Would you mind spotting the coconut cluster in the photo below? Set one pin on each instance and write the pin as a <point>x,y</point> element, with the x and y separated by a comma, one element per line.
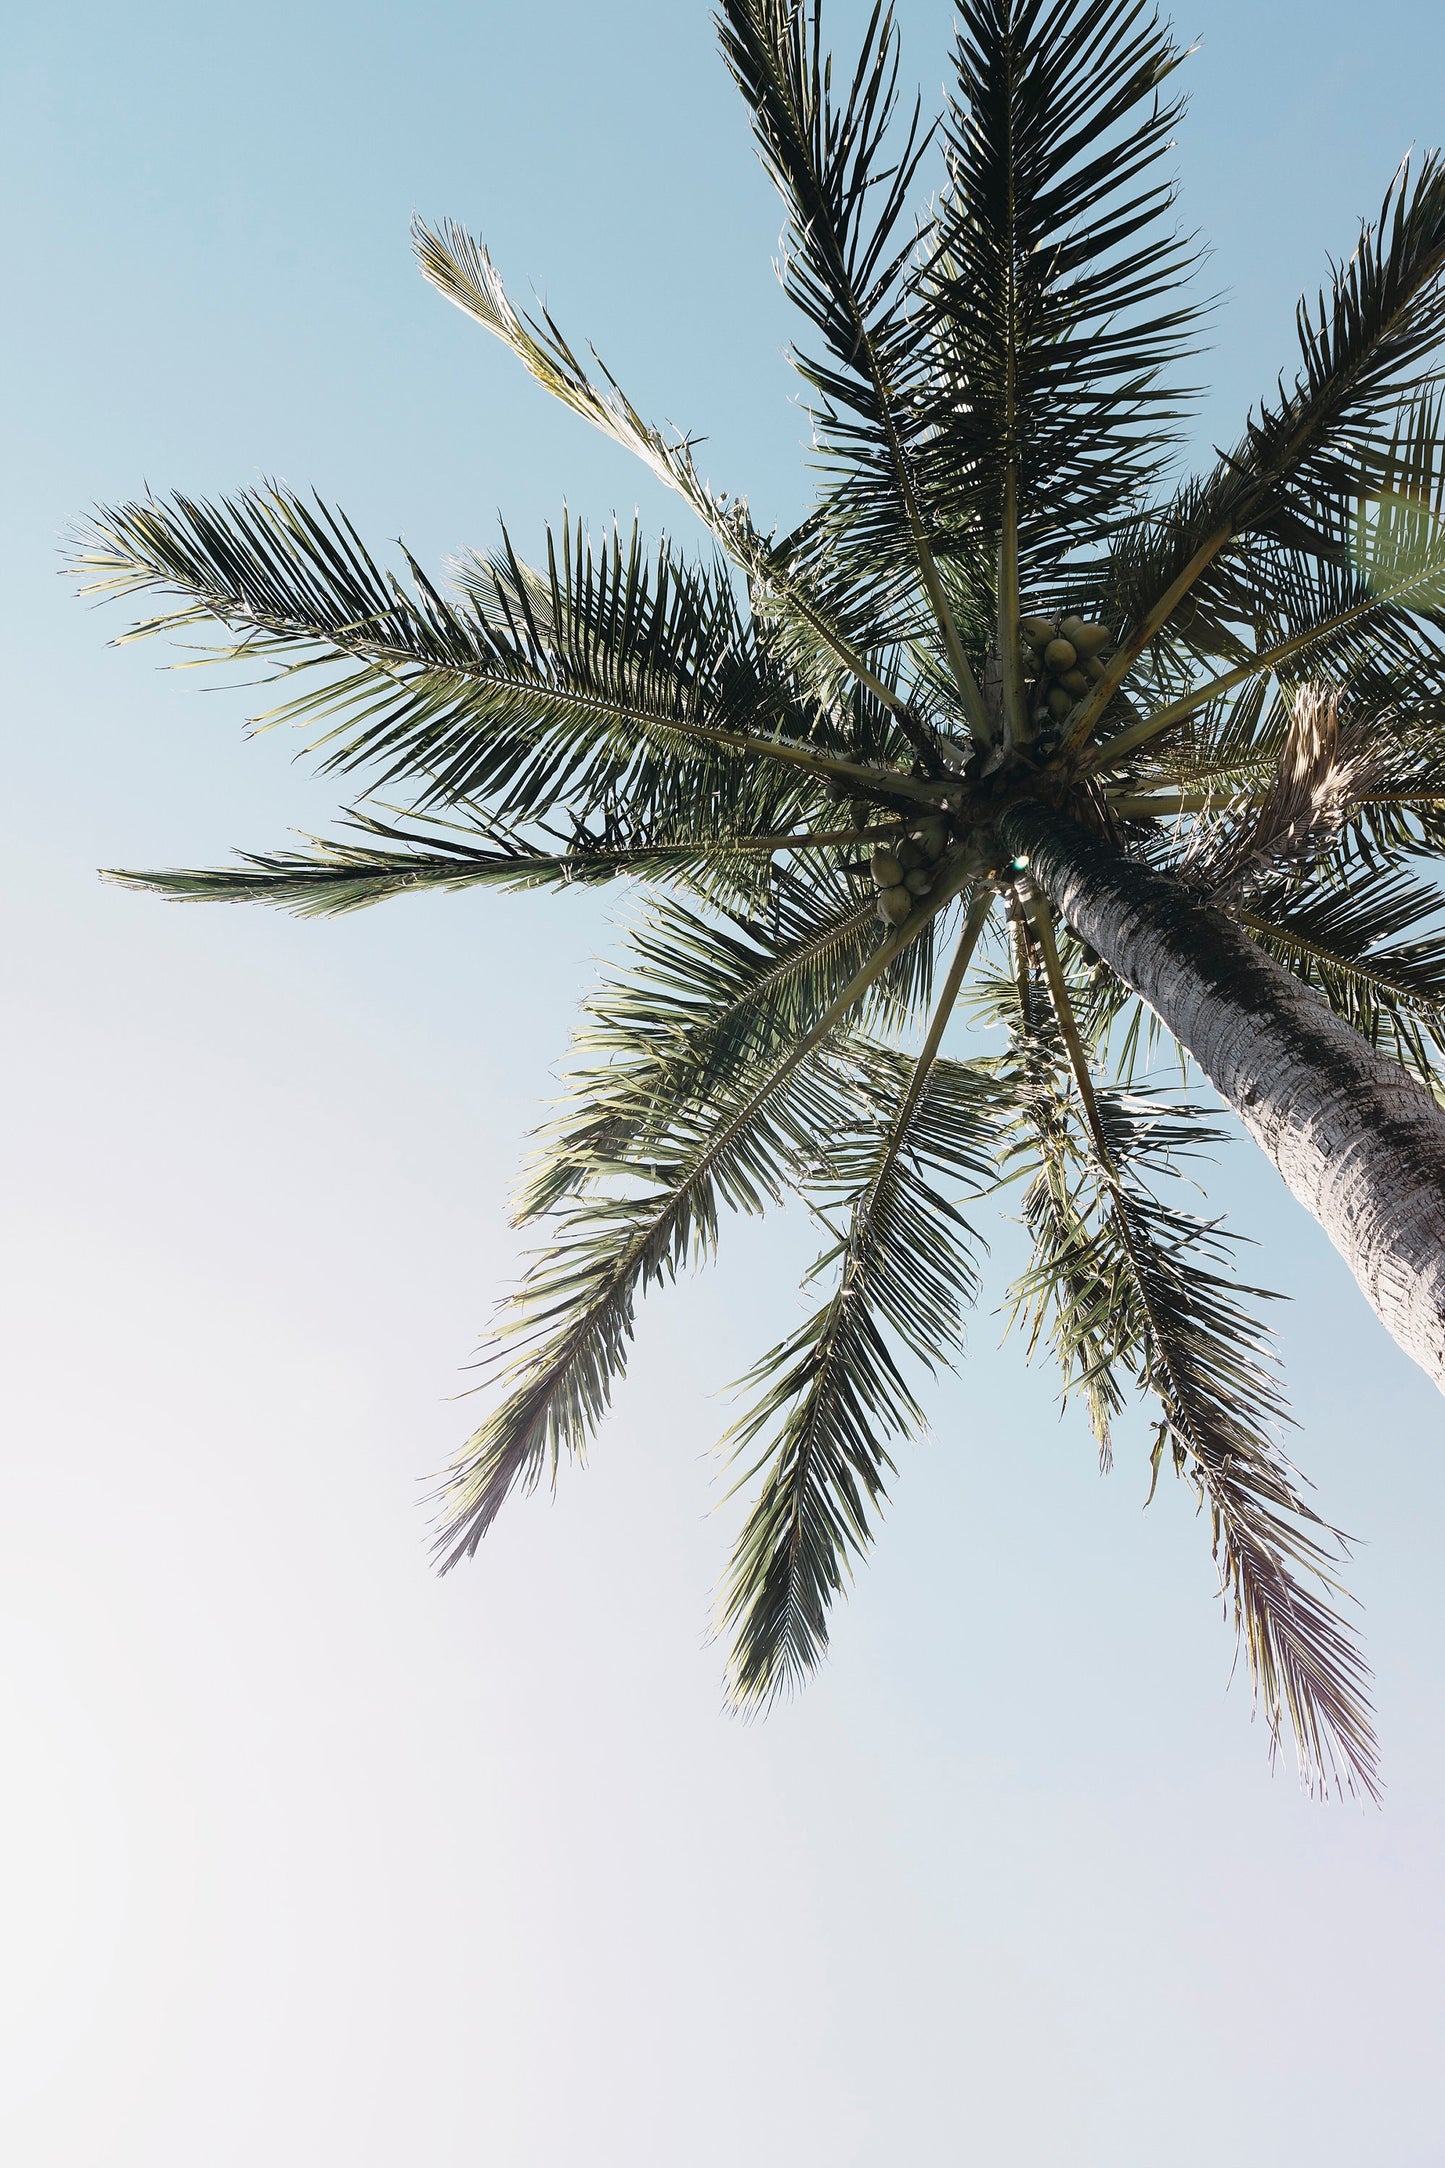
<point>904,872</point>
<point>1062,658</point>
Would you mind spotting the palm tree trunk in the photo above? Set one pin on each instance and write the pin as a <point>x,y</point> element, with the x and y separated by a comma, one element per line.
<point>1360,1143</point>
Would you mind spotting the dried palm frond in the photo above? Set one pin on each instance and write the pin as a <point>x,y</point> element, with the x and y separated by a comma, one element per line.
<point>1323,772</point>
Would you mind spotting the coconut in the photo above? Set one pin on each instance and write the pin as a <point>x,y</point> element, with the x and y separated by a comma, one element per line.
<point>932,836</point>
<point>894,905</point>
<point>860,813</point>
<point>1076,681</point>
<point>1038,631</point>
<point>887,872</point>
<point>1060,655</point>
<point>1060,703</point>
<point>908,854</point>
<point>1096,667</point>
<point>1088,639</point>
<point>919,881</point>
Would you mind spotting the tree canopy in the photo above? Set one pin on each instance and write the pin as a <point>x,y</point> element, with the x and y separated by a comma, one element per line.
<point>1003,593</point>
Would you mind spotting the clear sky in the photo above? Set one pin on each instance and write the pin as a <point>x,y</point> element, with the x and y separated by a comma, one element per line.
<point>308,1858</point>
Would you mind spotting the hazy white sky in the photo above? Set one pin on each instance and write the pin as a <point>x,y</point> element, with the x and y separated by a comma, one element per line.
<point>306,1857</point>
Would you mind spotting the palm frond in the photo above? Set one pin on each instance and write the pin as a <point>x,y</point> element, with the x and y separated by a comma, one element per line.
<point>809,616</point>
<point>1208,1363</point>
<point>1137,1290</point>
<point>609,676</point>
<point>338,875</point>
<point>831,1399</point>
<point>1230,744</point>
<point>573,1319</point>
<point>1367,348</point>
<point>702,1001</point>
<point>1054,283</point>
<point>1320,773</point>
<point>740,1148</point>
<point>847,189</point>
<point>461,269</point>
<point>574,1316</point>
<point>1063,1296</point>
<point>1372,943</point>
<point>1370,618</point>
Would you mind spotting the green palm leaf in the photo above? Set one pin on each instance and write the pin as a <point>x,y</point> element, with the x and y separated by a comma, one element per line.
<point>1055,278</point>
<point>740,1149</point>
<point>1341,933</point>
<point>607,676</point>
<point>847,188</point>
<point>816,623</point>
<point>832,1397</point>
<point>1128,1284</point>
<point>706,1000</point>
<point>337,875</point>
<point>1365,351</point>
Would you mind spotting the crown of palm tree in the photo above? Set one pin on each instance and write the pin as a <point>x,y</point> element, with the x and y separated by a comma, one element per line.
<point>1005,664</point>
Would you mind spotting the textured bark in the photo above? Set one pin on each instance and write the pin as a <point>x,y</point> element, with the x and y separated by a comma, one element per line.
<point>1360,1143</point>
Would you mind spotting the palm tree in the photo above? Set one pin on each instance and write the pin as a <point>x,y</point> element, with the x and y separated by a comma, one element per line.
<point>1117,760</point>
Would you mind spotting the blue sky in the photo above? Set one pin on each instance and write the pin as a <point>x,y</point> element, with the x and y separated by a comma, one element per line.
<point>308,1857</point>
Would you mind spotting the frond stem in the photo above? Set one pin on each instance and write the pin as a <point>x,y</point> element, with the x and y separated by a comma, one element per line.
<point>893,945</point>
<point>1355,967</point>
<point>1147,807</point>
<point>753,554</point>
<point>1094,703</point>
<point>1008,600</point>
<point>1041,918</point>
<point>393,660</point>
<point>978,910</point>
<point>867,361</point>
<point>1270,658</point>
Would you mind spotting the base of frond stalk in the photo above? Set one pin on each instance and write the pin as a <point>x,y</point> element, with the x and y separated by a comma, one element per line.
<point>1360,1143</point>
